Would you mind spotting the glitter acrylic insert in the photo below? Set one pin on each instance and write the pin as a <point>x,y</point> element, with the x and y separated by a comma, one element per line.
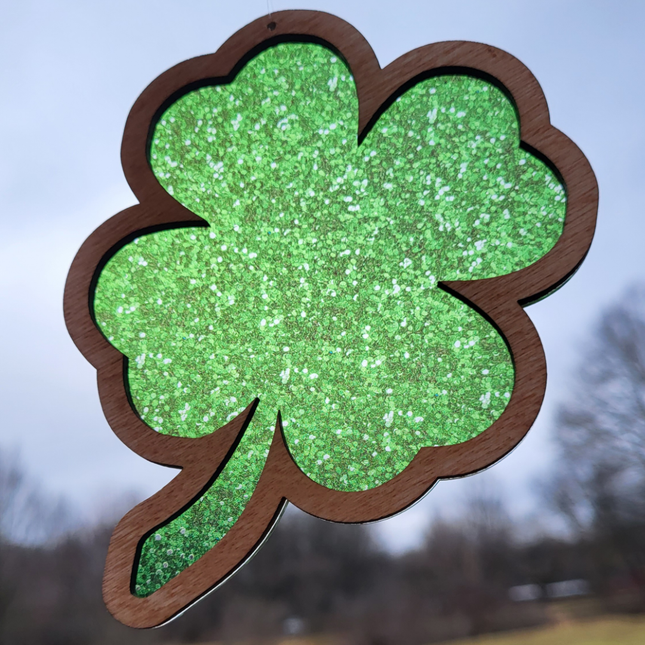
<point>314,287</point>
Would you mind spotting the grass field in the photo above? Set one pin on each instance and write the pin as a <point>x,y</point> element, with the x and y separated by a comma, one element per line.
<point>602,631</point>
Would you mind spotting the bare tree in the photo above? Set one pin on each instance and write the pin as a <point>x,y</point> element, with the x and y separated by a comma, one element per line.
<point>27,515</point>
<point>600,433</point>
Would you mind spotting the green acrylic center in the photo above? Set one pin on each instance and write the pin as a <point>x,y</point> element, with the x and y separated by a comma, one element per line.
<point>314,287</point>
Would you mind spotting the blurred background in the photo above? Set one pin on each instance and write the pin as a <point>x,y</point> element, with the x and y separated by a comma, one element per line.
<point>546,547</point>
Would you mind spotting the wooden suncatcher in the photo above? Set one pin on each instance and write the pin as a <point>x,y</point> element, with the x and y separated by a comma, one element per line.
<point>499,299</point>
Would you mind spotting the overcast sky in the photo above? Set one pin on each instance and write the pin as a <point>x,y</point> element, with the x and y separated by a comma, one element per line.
<point>69,73</point>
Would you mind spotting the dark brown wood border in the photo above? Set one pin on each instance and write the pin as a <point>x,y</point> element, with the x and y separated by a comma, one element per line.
<point>499,299</point>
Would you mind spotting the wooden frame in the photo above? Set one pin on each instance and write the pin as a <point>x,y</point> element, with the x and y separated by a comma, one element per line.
<point>498,299</point>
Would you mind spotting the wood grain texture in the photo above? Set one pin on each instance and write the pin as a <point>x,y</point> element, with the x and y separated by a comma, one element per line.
<point>498,299</point>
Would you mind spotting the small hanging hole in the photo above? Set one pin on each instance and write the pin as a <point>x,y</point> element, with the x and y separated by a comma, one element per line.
<point>271,26</point>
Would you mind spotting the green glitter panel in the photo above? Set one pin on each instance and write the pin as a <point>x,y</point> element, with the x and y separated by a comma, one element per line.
<point>315,286</point>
